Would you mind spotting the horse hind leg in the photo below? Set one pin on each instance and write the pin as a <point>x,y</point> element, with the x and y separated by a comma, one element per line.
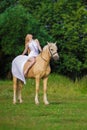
<point>37,91</point>
<point>19,89</point>
<point>14,89</point>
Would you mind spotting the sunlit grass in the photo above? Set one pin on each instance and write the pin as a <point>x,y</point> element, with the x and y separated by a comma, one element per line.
<point>67,109</point>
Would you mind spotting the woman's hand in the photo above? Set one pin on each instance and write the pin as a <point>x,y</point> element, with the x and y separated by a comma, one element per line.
<point>25,50</point>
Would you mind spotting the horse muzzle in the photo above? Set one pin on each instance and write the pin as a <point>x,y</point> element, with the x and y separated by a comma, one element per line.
<point>56,57</point>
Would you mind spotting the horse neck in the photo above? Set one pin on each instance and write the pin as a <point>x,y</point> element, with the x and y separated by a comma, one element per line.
<point>46,54</point>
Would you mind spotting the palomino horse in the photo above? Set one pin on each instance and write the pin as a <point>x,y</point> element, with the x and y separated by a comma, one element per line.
<point>40,70</point>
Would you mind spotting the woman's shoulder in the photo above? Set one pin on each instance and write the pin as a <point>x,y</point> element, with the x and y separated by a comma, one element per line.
<point>27,44</point>
<point>36,40</point>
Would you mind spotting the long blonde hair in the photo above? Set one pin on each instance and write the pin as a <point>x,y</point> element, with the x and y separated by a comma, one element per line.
<point>27,39</point>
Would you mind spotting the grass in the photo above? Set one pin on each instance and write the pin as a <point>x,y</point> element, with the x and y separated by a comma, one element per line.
<point>67,109</point>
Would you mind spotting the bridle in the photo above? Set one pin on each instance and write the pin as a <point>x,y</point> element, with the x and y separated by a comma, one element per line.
<point>43,58</point>
<point>52,54</point>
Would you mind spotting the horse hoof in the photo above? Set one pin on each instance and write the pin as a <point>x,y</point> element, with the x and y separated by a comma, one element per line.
<point>21,101</point>
<point>14,102</point>
<point>37,103</point>
<point>46,103</point>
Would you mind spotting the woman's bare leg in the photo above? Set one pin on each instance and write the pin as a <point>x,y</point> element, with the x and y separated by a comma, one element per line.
<point>31,62</point>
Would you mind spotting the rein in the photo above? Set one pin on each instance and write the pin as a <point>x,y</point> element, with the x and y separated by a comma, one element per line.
<point>43,58</point>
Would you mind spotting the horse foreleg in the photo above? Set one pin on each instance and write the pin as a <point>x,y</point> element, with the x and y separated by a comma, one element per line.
<point>45,91</point>
<point>37,91</point>
<point>14,89</point>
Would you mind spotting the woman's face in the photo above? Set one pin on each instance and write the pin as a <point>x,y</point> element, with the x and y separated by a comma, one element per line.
<point>30,37</point>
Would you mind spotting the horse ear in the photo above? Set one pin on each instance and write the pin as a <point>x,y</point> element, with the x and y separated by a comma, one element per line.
<point>48,43</point>
<point>55,43</point>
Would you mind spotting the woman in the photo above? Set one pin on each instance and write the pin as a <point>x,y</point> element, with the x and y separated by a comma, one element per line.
<point>32,47</point>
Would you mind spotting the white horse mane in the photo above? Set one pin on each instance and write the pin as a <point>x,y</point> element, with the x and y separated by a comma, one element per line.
<point>49,44</point>
<point>45,47</point>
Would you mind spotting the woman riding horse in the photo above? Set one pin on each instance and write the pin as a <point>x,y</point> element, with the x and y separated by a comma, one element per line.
<point>34,47</point>
<point>40,70</point>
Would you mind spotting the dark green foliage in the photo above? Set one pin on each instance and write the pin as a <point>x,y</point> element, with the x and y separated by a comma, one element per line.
<point>66,21</point>
<point>31,5</point>
<point>12,26</point>
<point>63,21</point>
<point>4,4</point>
<point>15,23</point>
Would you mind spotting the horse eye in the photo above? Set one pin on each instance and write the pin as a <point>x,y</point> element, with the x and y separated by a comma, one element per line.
<point>51,49</point>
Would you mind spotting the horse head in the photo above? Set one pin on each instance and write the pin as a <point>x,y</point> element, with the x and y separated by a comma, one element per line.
<point>53,50</point>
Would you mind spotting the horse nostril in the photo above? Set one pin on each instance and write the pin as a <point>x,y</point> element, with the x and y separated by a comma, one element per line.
<point>56,57</point>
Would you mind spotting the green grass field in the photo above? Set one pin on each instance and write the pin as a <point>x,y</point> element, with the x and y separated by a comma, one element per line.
<point>67,109</point>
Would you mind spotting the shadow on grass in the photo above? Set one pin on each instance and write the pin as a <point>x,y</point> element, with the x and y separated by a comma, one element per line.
<point>57,103</point>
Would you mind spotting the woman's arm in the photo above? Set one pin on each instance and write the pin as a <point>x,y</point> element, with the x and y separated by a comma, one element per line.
<point>25,50</point>
<point>40,49</point>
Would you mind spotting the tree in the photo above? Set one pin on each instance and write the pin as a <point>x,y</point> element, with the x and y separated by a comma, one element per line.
<point>15,23</point>
<point>4,4</point>
<point>63,21</point>
<point>66,21</point>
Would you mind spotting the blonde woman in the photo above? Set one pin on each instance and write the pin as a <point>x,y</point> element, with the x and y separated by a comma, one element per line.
<point>32,47</point>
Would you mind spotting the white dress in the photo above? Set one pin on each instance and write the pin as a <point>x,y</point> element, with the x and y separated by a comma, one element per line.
<point>19,61</point>
<point>33,49</point>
